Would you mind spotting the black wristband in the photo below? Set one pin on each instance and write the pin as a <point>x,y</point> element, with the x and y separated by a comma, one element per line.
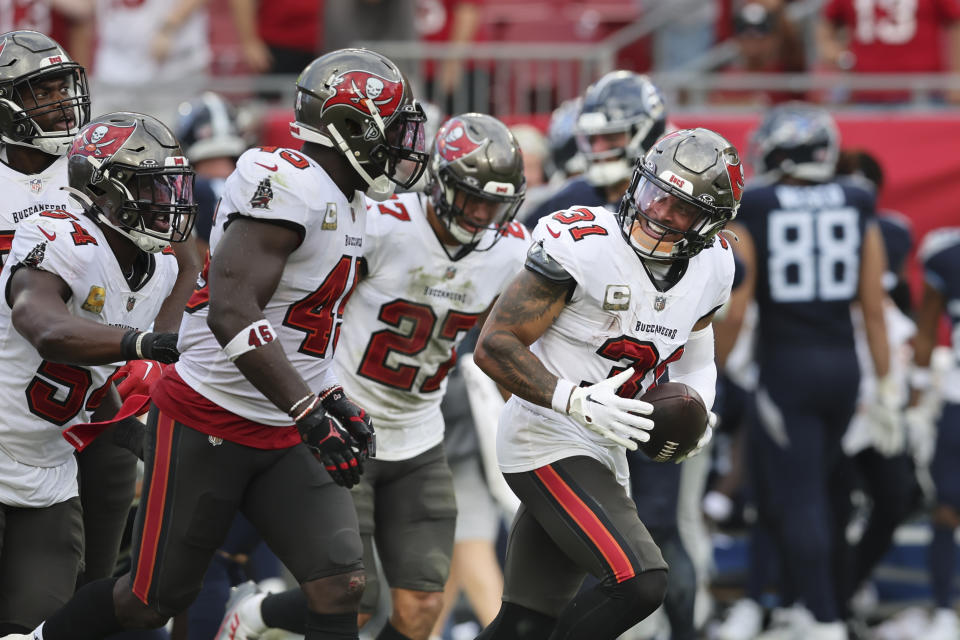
<point>128,345</point>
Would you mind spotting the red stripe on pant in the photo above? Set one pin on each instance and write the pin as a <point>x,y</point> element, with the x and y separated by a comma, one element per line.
<point>588,522</point>
<point>155,506</point>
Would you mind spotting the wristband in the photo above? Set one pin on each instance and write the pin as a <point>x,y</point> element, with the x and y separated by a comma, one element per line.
<point>920,378</point>
<point>253,336</point>
<point>561,395</point>
<point>299,402</point>
<point>310,407</point>
<point>327,392</point>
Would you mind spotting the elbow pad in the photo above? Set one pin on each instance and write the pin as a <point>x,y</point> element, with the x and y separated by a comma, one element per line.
<point>696,367</point>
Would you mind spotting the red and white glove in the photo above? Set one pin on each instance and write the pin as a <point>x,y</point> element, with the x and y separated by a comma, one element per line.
<point>137,377</point>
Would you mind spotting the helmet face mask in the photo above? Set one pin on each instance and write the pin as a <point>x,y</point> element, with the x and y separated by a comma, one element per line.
<point>128,172</point>
<point>157,204</point>
<point>469,215</point>
<point>476,180</point>
<point>683,192</point>
<point>359,103</point>
<point>402,157</point>
<point>661,225</point>
<point>43,94</point>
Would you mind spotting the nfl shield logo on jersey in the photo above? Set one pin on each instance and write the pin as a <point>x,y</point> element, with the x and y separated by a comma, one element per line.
<point>131,301</point>
<point>659,303</point>
<point>36,185</point>
<point>451,273</point>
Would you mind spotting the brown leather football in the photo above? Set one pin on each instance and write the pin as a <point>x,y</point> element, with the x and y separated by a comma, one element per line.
<point>679,418</point>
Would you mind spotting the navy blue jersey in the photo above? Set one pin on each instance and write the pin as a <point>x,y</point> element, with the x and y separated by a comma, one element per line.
<point>897,239</point>
<point>576,191</point>
<point>940,254</point>
<point>207,193</point>
<point>809,241</point>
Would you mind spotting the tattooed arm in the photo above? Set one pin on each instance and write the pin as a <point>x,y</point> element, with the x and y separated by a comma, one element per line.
<point>525,310</point>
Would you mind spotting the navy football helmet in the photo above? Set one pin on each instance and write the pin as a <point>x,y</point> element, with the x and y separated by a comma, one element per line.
<point>798,140</point>
<point>621,102</point>
<point>207,128</point>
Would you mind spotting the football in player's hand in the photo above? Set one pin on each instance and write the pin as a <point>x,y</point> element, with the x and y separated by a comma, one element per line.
<point>679,419</point>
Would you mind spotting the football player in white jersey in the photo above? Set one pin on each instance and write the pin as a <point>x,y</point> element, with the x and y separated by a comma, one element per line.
<point>433,266</point>
<point>81,288</point>
<point>607,304</point>
<point>254,380</point>
<point>45,101</point>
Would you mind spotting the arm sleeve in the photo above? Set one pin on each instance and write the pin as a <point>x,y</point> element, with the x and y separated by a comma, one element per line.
<point>696,367</point>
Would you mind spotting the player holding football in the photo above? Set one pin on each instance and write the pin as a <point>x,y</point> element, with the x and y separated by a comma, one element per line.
<point>254,383</point>
<point>607,302</point>
<point>434,265</point>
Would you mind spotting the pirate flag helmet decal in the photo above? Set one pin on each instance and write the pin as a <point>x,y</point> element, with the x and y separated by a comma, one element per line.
<point>476,181</point>
<point>127,171</point>
<point>358,102</point>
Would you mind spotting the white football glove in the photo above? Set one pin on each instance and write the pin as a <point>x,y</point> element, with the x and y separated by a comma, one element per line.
<point>704,439</point>
<point>600,409</point>
<point>922,433</point>
<point>885,416</point>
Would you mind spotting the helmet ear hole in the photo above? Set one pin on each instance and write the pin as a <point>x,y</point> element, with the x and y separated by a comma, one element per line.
<point>127,217</point>
<point>353,127</point>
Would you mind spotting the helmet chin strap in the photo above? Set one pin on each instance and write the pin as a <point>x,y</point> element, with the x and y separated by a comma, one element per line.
<point>379,188</point>
<point>460,234</point>
<point>143,242</point>
<point>54,145</point>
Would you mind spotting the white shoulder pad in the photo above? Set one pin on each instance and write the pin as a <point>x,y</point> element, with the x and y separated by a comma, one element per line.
<point>275,185</point>
<point>55,245</point>
<point>721,267</point>
<point>566,236</point>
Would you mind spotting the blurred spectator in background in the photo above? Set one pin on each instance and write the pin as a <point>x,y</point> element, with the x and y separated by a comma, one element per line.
<point>533,144</point>
<point>874,36</point>
<point>349,22</point>
<point>54,18</point>
<point>280,36</point>
<point>207,130</point>
<point>150,55</point>
<point>685,37</point>
<point>457,86</point>
<point>768,43</point>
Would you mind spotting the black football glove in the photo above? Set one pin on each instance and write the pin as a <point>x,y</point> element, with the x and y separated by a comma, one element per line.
<point>331,444</point>
<point>149,345</point>
<point>355,419</point>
